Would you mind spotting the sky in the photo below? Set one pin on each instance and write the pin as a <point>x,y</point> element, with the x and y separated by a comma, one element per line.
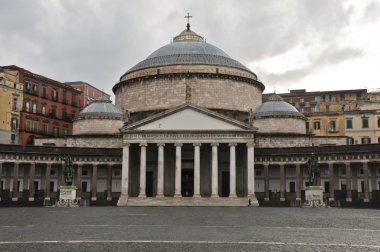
<point>290,44</point>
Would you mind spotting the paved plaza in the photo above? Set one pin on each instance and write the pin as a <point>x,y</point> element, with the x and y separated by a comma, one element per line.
<point>189,229</point>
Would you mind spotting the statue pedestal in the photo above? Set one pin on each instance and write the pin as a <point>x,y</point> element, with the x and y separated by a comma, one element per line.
<point>67,197</point>
<point>314,197</point>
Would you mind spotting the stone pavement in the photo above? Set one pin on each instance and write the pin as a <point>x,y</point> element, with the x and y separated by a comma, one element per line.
<point>189,229</point>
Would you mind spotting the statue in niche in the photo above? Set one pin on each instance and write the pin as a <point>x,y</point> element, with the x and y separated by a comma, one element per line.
<point>188,93</point>
<point>127,117</point>
<point>250,118</point>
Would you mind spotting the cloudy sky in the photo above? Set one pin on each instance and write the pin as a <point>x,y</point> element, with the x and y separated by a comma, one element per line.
<point>289,44</point>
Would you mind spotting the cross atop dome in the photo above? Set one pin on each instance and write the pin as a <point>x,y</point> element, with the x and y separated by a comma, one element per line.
<point>188,21</point>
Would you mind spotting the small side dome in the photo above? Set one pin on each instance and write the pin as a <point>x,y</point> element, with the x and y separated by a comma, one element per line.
<point>101,108</point>
<point>277,116</point>
<point>99,118</point>
<point>276,107</point>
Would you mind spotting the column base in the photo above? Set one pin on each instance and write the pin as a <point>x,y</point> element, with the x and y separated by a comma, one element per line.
<point>298,199</point>
<point>31,199</point>
<point>366,200</point>
<point>109,198</point>
<point>160,196</point>
<point>14,199</point>
<point>266,199</point>
<point>348,199</point>
<point>214,196</point>
<point>331,199</point>
<point>141,196</point>
<point>282,199</point>
<point>46,198</point>
<point>123,199</point>
<point>177,195</point>
<point>93,198</point>
<point>232,196</point>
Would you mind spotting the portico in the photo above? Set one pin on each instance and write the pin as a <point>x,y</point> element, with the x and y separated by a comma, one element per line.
<point>193,157</point>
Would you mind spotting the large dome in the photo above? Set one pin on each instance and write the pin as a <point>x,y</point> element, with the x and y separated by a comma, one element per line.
<point>188,48</point>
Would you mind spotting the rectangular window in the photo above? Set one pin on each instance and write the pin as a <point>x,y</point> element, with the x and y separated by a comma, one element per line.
<point>34,107</point>
<point>366,140</point>
<point>27,106</point>
<point>348,123</point>
<point>342,97</point>
<point>365,122</point>
<point>54,95</point>
<point>26,86</point>
<point>35,89</point>
<point>64,94</point>
<point>44,92</point>
<point>27,126</point>
<point>317,125</point>
<point>14,103</point>
<point>307,125</point>
<point>332,126</point>
<point>65,131</point>
<point>53,113</point>
<point>44,109</point>
<point>74,100</point>
<point>64,114</point>
<point>14,124</point>
<point>378,122</point>
<point>327,108</point>
<point>350,140</point>
<point>35,126</point>
<point>55,131</point>
<point>45,128</point>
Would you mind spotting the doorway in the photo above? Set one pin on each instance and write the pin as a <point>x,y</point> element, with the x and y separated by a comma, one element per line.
<point>292,186</point>
<point>225,183</point>
<point>149,183</point>
<point>187,183</point>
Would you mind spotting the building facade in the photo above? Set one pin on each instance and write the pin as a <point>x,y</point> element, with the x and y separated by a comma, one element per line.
<point>11,97</point>
<point>189,128</point>
<point>88,94</point>
<point>48,107</point>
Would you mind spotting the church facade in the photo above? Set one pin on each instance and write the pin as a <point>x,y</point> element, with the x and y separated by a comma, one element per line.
<point>189,128</point>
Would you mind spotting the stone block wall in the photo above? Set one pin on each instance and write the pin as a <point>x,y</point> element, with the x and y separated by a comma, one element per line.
<point>96,126</point>
<point>280,125</point>
<point>273,141</point>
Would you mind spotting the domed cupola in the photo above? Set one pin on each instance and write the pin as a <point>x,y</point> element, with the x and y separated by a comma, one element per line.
<point>100,117</point>
<point>278,116</point>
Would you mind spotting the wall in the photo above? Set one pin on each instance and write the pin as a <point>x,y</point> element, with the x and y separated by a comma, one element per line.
<point>273,141</point>
<point>82,141</point>
<point>97,126</point>
<point>280,125</point>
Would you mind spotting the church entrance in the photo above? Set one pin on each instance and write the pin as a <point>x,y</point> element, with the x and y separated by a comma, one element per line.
<point>225,184</point>
<point>149,184</point>
<point>187,183</point>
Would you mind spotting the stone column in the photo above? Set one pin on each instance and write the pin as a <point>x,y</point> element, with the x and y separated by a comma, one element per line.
<point>178,170</point>
<point>15,181</point>
<point>124,177</point>
<point>214,170</point>
<point>47,181</point>
<point>366,182</point>
<point>282,182</point>
<point>331,182</point>
<point>197,170</point>
<point>109,182</point>
<point>232,170</point>
<point>266,181</point>
<point>142,193</point>
<point>79,182</point>
<point>348,182</point>
<point>160,170</point>
<point>94,182</point>
<point>32,172</point>
<point>251,174</point>
<point>298,182</point>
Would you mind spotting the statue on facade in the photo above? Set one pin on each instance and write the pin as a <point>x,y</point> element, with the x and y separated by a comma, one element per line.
<point>313,170</point>
<point>250,118</point>
<point>127,117</point>
<point>188,93</point>
<point>68,169</point>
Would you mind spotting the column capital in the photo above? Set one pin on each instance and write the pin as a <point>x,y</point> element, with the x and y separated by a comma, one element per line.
<point>232,144</point>
<point>161,144</point>
<point>143,145</point>
<point>178,144</point>
<point>197,144</point>
<point>126,144</point>
<point>251,144</point>
<point>214,144</point>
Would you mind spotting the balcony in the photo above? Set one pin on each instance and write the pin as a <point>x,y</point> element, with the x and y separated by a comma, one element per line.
<point>302,104</point>
<point>313,102</point>
<point>333,130</point>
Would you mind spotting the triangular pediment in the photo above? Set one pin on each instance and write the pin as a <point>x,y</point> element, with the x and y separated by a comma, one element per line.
<point>188,117</point>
